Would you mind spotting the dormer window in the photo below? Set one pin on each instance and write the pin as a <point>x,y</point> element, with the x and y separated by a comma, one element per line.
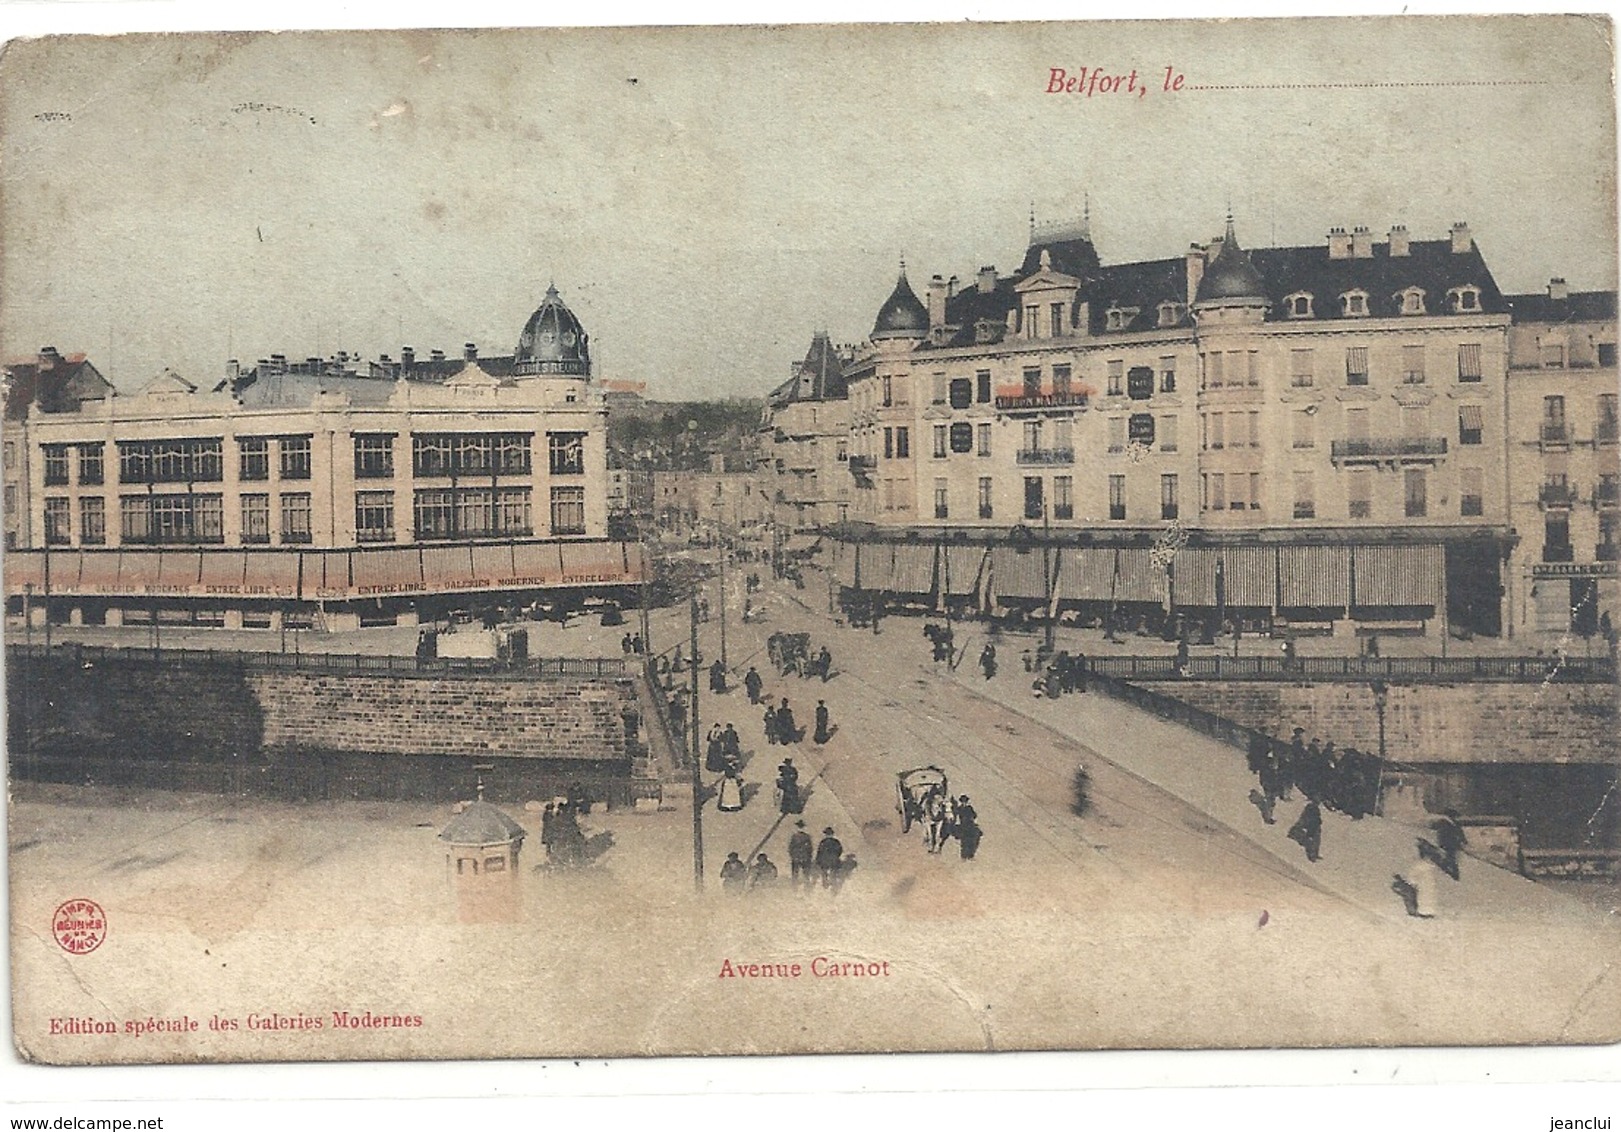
<point>1298,305</point>
<point>1463,299</point>
<point>1410,301</point>
<point>1354,304</point>
<point>1170,314</point>
<point>1119,318</point>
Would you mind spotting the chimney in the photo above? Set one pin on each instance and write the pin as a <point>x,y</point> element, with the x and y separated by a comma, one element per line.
<point>48,357</point>
<point>1398,240</point>
<point>1361,242</point>
<point>1339,244</point>
<point>951,287</point>
<point>408,355</point>
<point>343,357</point>
<point>1558,289</point>
<point>233,369</point>
<point>1462,242</point>
<point>1196,262</point>
<point>937,302</point>
<point>436,356</point>
<point>987,279</point>
<point>470,352</point>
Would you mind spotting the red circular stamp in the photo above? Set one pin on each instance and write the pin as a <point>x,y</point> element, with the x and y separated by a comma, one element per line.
<point>79,926</point>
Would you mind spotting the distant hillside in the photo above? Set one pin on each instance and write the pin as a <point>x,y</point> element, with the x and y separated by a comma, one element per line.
<point>682,435</point>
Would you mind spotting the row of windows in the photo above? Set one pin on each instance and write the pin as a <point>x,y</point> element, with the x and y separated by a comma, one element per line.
<point>1241,491</point>
<point>1062,500</point>
<point>1354,304</point>
<point>193,518</point>
<point>1241,368</point>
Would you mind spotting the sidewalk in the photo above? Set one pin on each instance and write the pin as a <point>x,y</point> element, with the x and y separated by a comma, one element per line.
<point>1359,858</point>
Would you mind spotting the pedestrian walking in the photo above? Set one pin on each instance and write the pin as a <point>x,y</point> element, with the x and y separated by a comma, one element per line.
<point>733,874</point>
<point>717,678</point>
<point>787,730</point>
<point>752,684</point>
<point>824,664</point>
<point>968,831</point>
<point>1450,839</point>
<point>1182,656</point>
<point>1080,664</point>
<point>1308,830</point>
<point>822,734</point>
<point>715,750</point>
<point>829,856</point>
<point>801,852</point>
<point>731,745</point>
<point>771,724</point>
<point>729,798</point>
<point>987,660</point>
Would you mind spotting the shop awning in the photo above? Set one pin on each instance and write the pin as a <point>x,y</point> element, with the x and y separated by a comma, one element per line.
<point>98,572</point>
<point>223,571</point>
<point>24,570</point>
<point>536,564</point>
<point>1314,576</point>
<point>1086,574</point>
<point>447,567</point>
<point>1022,572</point>
<point>844,564</point>
<point>914,569</point>
<point>1193,577</point>
<point>326,574</point>
<point>179,570</point>
<point>1397,575</point>
<point>138,572</point>
<point>270,573</point>
<point>962,567</point>
<point>1139,579</point>
<point>590,563</point>
<point>877,565</point>
<point>1250,576</point>
<point>388,570</point>
<point>491,564</point>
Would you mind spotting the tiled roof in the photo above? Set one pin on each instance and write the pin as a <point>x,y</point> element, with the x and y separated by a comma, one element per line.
<point>55,386</point>
<point>1429,264</point>
<point>820,377</point>
<point>1578,306</point>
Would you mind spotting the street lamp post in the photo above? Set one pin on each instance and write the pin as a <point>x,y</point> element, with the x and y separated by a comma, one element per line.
<point>722,532</point>
<point>1381,693</point>
<point>697,777</point>
<point>1047,573</point>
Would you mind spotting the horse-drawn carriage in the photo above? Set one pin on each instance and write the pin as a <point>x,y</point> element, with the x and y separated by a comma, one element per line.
<point>923,796</point>
<point>789,652</point>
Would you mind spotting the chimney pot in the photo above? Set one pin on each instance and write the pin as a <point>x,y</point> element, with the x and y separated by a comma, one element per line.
<point>987,279</point>
<point>470,352</point>
<point>1462,242</point>
<point>1339,243</point>
<point>1558,288</point>
<point>1398,241</point>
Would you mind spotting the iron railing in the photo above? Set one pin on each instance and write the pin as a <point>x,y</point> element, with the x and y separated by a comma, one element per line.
<point>358,663</point>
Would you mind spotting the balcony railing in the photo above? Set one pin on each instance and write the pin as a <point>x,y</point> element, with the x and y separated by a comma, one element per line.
<point>1556,495</point>
<point>861,465</point>
<point>1046,456</point>
<point>1390,447</point>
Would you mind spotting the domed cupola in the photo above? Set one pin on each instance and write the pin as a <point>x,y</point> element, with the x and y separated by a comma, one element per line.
<point>1231,279</point>
<point>553,341</point>
<point>902,315</point>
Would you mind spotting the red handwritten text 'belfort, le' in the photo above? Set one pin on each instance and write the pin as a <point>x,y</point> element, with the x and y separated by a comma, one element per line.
<point>1090,81</point>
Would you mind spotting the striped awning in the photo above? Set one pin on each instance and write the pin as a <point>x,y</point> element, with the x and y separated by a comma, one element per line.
<point>1397,575</point>
<point>1193,577</point>
<point>24,569</point>
<point>98,572</point>
<point>1250,576</point>
<point>1021,573</point>
<point>222,572</point>
<point>1086,574</point>
<point>844,563</point>
<point>638,562</point>
<point>179,570</point>
<point>1314,576</point>
<point>914,569</point>
<point>1139,579</point>
<point>963,567</point>
<point>491,564</point>
<point>536,564</point>
<point>877,565</point>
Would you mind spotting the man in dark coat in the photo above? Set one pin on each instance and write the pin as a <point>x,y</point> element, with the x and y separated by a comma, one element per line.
<point>787,729</point>
<point>731,745</point>
<point>788,786</point>
<point>762,874</point>
<point>752,684</point>
<point>801,852</point>
<point>822,734</point>
<point>829,856</point>
<point>1450,839</point>
<point>717,678</point>
<point>987,660</point>
<point>968,831</point>
<point>1308,830</point>
<point>824,664</point>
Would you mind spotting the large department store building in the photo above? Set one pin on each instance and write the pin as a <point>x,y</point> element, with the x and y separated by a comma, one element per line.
<point>327,491</point>
<point>1314,434</point>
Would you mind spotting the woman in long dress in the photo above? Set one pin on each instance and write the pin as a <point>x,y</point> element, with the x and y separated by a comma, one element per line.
<point>730,797</point>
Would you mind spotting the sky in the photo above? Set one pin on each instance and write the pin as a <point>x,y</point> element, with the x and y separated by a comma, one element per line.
<point>706,198</point>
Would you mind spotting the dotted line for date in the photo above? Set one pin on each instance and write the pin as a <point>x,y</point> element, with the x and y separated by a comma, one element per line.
<point>1366,86</point>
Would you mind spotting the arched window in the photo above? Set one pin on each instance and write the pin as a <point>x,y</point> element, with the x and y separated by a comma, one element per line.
<point>1411,301</point>
<point>1354,304</point>
<point>1298,305</point>
<point>1461,300</point>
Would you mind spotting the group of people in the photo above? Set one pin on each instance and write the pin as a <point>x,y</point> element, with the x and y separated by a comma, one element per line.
<point>632,645</point>
<point>1063,674</point>
<point>809,862</point>
<point>1343,780</point>
<point>560,833</point>
<point>941,641</point>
